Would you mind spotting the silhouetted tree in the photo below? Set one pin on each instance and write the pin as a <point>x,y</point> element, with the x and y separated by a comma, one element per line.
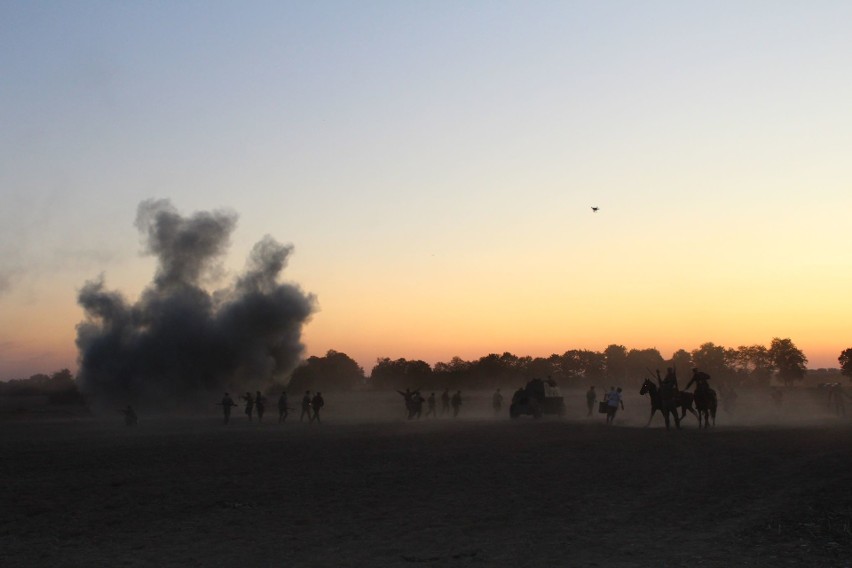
<point>712,359</point>
<point>845,360</point>
<point>569,364</point>
<point>60,387</point>
<point>580,365</point>
<point>822,376</point>
<point>335,371</point>
<point>493,369</point>
<point>788,360</point>
<point>640,361</point>
<point>754,360</point>
<point>682,362</point>
<point>400,374</point>
<point>451,374</point>
<point>540,368</point>
<point>616,362</point>
<point>594,365</point>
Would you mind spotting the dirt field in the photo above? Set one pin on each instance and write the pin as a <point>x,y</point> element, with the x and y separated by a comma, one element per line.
<point>368,488</point>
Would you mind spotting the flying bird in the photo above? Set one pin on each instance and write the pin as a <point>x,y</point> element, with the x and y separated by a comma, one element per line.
<point>595,209</point>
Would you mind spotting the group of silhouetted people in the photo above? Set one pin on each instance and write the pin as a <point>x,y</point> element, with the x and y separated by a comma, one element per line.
<point>837,398</point>
<point>414,403</point>
<point>612,401</point>
<point>311,406</point>
<point>258,403</point>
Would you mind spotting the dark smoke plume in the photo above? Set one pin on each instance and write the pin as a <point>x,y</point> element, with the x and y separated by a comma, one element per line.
<point>179,343</point>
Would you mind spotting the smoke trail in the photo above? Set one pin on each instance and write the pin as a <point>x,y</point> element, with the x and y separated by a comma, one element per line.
<point>179,342</point>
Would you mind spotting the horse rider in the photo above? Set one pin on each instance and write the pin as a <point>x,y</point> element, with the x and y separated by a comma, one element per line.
<point>671,377</point>
<point>700,379</point>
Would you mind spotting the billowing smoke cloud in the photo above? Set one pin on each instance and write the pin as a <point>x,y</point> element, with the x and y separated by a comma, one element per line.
<point>180,343</point>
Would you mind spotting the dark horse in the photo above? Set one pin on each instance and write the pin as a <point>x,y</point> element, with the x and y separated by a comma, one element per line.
<point>667,400</point>
<point>662,399</point>
<point>705,403</point>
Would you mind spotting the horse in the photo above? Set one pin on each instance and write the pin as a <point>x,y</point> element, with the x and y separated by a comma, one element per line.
<point>685,400</point>
<point>705,403</point>
<point>661,400</point>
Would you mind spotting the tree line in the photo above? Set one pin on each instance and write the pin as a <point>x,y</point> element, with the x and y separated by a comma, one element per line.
<point>752,365</point>
<point>745,365</point>
<point>59,387</point>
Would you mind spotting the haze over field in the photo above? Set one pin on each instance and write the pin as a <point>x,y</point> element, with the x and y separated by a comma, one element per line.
<point>434,166</point>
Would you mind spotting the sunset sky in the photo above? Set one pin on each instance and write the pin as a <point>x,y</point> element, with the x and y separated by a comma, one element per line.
<point>434,165</point>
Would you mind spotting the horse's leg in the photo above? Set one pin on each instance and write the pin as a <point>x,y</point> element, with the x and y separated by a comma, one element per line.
<point>653,411</point>
<point>666,417</point>
<point>676,419</point>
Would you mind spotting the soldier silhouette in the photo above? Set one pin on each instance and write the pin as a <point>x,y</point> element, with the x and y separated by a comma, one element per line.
<point>430,411</point>
<point>700,379</point>
<point>837,399</point>
<point>671,378</point>
<point>497,401</point>
<point>227,404</point>
<point>316,404</point>
<point>259,404</point>
<point>417,404</point>
<point>306,406</point>
<point>282,407</point>
<point>249,404</point>
<point>445,402</point>
<point>456,402</point>
<point>408,396</point>
<point>591,399</point>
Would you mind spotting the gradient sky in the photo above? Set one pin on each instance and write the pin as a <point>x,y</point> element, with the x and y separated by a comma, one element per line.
<point>434,164</point>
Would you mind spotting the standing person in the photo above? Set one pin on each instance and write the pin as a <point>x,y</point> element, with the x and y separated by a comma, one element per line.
<point>497,402</point>
<point>431,406</point>
<point>316,403</point>
<point>282,407</point>
<point>456,402</point>
<point>445,402</point>
<point>306,406</point>
<point>417,404</point>
<point>259,403</point>
<point>613,400</point>
<point>591,399</point>
<point>227,404</point>
<point>408,396</point>
<point>249,404</point>
<point>608,394</point>
<point>837,399</point>
<point>671,378</point>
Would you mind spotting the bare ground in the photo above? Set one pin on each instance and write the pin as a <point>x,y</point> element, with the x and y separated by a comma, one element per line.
<point>387,492</point>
